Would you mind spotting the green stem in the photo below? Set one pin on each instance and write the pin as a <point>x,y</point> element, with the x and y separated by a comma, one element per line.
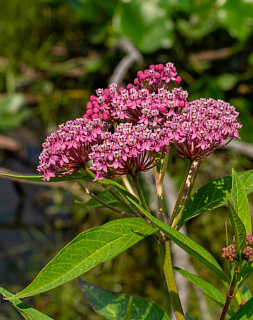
<point>101,201</point>
<point>139,191</point>
<point>170,279</point>
<point>230,295</point>
<point>187,190</point>
<point>179,197</point>
<point>127,185</point>
<point>115,194</point>
<point>159,177</point>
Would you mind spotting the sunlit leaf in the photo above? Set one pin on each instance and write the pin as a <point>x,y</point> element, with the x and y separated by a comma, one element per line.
<point>87,250</point>
<point>27,312</point>
<point>241,202</point>
<point>214,194</point>
<point>187,244</point>
<point>239,230</point>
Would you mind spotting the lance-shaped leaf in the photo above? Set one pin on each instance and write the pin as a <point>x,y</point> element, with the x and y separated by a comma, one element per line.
<point>206,287</point>
<point>87,250</point>
<point>39,178</point>
<point>245,312</point>
<point>114,305</point>
<point>187,244</point>
<point>241,202</point>
<point>27,312</point>
<point>245,272</point>
<point>214,194</point>
<point>239,231</point>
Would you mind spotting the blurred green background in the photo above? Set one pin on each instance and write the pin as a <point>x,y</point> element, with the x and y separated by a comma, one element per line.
<point>54,54</point>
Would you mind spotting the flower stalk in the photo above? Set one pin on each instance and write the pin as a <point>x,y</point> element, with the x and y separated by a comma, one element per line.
<point>170,279</point>
<point>230,295</point>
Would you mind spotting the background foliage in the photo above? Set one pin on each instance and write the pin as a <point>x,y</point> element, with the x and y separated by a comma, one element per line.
<point>53,55</point>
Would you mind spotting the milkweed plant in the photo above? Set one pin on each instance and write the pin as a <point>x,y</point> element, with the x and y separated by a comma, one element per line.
<point>123,133</point>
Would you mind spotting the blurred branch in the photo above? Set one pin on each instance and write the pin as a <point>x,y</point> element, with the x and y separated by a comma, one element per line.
<point>132,55</point>
<point>242,147</point>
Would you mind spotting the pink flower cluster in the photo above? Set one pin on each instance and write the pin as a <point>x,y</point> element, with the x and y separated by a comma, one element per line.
<point>230,251</point>
<point>203,126</point>
<point>130,149</point>
<point>68,148</point>
<point>145,119</point>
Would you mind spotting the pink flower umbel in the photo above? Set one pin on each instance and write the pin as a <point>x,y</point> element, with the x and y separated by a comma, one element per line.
<point>127,151</point>
<point>102,105</point>
<point>67,149</point>
<point>203,126</point>
<point>157,76</point>
<point>150,108</point>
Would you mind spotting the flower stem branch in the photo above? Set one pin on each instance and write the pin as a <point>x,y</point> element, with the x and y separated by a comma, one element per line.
<point>170,279</point>
<point>159,177</point>
<point>101,201</point>
<point>115,194</point>
<point>230,295</point>
<point>180,193</point>
<point>127,185</point>
<point>187,189</point>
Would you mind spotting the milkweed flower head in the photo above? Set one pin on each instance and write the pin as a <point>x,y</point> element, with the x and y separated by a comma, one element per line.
<point>157,76</point>
<point>149,101</point>
<point>129,150</point>
<point>203,126</point>
<point>145,119</point>
<point>67,149</point>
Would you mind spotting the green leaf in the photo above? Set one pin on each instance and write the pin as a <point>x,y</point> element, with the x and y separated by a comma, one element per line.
<point>150,18</point>
<point>245,312</point>
<point>241,202</point>
<point>114,305</point>
<point>40,177</point>
<point>13,111</point>
<point>239,231</point>
<point>188,317</point>
<point>214,194</point>
<point>105,196</point>
<point>246,293</point>
<point>245,272</point>
<point>87,250</point>
<point>26,311</point>
<point>187,244</point>
<point>206,287</point>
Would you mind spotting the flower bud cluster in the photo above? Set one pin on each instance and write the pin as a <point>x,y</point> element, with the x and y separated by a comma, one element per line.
<point>247,254</point>
<point>248,251</point>
<point>157,76</point>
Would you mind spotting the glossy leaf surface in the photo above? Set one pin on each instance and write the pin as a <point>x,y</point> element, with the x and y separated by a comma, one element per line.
<point>87,250</point>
